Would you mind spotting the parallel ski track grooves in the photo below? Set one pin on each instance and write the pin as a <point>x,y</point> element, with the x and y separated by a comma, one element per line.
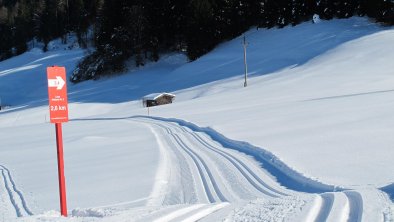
<point>353,197</point>
<point>197,159</point>
<point>326,206</point>
<point>14,193</point>
<point>238,164</point>
<point>355,205</point>
<point>201,167</point>
<point>7,187</point>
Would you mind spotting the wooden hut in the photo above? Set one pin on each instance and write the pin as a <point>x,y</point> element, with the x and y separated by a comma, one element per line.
<point>157,99</point>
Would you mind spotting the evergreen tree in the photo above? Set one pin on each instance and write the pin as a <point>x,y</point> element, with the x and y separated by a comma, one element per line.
<point>326,9</point>
<point>381,10</point>
<point>5,41</point>
<point>47,23</point>
<point>387,13</point>
<point>274,13</point>
<point>76,21</point>
<point>302,10</point>
<point>142,29</point>
<point>253,9</point>
<point>200,30</point>
<point>345,8</point>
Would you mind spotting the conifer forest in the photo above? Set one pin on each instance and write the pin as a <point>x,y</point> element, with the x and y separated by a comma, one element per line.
<point>121,29</point>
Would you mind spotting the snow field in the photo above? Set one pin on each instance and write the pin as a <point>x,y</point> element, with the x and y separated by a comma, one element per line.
<point>317,109</point>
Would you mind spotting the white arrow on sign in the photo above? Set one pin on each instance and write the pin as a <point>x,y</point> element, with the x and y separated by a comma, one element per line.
<point>58,83</point>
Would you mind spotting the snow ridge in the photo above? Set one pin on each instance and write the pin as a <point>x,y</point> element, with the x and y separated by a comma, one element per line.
<point>245,170</point>
<point>389,190</point>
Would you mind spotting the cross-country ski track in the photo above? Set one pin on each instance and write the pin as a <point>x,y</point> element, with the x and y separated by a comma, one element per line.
<point>205,177</point>
<point>11,197</point>
<point>199,170</point>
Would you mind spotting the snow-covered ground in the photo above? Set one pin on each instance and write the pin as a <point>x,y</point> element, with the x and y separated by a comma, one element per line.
<point>309,139</point>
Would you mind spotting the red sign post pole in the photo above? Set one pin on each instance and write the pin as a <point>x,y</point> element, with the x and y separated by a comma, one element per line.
<point>60,167</point>
<point>58,110</point>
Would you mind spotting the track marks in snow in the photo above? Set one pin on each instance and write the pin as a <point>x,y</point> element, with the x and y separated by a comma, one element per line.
<point>355,206</point>
<point>209,158</point>
<point>179,213</point>
<point>224,175</point>
<point>284,175</point>
<point>205,212</point>
<point>337,207</point>
<point>327,201</point>
<point>15,196</point>
<point>243,169</point>
<point>210,186</point>
<point>192,213</point>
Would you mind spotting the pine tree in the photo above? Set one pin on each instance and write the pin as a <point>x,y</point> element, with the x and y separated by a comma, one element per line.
<point>326,9</point>
<point>381,10</point>
<point>273,13</point>
<point>284,12</point>
<point>344,8</point>
<point>253,8</point>
<point>301,10</point>
<point>388,13</point>
<point>136,27</point>
<point>5,41</point>
<point>200,30</point>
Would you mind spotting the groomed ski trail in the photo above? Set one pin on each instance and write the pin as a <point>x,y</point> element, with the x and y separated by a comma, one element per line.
<point>217,175</point>
<point>336,207</point>
<point>14,197</point>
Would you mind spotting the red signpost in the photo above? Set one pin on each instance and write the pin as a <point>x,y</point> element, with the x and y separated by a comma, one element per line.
<point>58,111</point>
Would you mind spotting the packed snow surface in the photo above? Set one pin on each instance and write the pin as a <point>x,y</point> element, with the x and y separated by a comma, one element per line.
<point>309,138</point>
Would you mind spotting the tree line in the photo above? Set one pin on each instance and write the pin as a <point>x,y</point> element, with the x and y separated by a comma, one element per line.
<point>142,29</point>
<point>24,22</point>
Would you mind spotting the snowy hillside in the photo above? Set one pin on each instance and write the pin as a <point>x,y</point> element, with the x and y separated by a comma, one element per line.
<point>309,139</point>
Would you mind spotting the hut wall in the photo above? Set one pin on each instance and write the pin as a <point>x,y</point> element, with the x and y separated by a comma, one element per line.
<point>150,103</point>
<point>164,100</point>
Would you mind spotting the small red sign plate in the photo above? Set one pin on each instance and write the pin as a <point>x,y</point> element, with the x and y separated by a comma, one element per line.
<point>57,94</point>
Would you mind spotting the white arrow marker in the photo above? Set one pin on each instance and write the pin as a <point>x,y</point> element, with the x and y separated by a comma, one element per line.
<point>58,83</point>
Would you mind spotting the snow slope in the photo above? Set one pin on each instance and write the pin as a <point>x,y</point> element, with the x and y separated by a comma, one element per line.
<point>309,139</point>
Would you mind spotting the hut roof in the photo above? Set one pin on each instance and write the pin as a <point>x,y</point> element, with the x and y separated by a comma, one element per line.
<point>154,96</point>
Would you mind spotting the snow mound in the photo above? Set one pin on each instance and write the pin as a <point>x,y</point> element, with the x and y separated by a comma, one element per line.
<point>389,190</point>
<point>91,212</point>
<point>267,210</point>
<point>316,18</point>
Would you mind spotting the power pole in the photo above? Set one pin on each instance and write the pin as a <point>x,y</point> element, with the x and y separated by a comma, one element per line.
<point>68,20</point>
<point>246,65</point>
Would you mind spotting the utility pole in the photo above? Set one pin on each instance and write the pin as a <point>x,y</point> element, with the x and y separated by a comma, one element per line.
<point>246,65</point>
<point>68,20</point>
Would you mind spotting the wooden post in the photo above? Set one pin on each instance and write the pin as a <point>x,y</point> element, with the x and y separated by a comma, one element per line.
<point>246,65</point>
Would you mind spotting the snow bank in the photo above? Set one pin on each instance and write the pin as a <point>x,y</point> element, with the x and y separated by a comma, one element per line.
<point>91,212</point>
<point>389,190</point>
